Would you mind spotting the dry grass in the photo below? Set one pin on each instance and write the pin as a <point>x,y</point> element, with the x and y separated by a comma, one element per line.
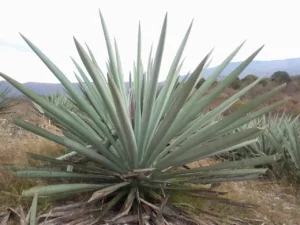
<point>278,202</point>
<point>15,143</point>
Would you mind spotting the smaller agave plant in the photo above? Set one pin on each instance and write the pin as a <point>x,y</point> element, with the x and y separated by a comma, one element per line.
<point>281,136</point>
<point>5,102</point>
<point>291,141</point>
<point>57,99</point>
<point>134,143</point>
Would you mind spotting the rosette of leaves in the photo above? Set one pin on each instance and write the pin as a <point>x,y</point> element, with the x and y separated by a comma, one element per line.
<point>139,139</point>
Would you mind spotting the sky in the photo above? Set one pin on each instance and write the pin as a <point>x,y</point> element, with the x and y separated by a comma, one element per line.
<point>219,24</point>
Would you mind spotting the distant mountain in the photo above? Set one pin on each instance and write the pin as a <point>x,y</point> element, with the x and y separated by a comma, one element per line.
<point>258,68</point>
<point>40,88</point>
<point>262,68</point>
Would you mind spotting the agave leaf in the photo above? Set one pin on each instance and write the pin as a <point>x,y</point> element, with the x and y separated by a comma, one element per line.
<point>88,83</point>
<point>238,146</point>
<point>55,111</point>
<point>201,136</point>
<point>196,153</point>
<point>222,173</point>
<point>127,205</point>
<point>227,179</point>
<point>297,144</point>
<point>33,209</point>
<point>120,72</point>
<point>91,55</point>
<point>106,191</point>
<point>90,169</point>
<point>152,86</point>
<point>291,142</point>
<point>70,135</point>
<point>63,79</point>
<point>92,97</point>
<point>193,110</point>
<point>254,115</point>
<point>187,132</point>
<point>137,88</point>
<point>60,174</point>
<point>165,93</point>
<point>112,203</point>
<point>16,168</point>
<point>174,93</point>
<point>229,101</point>
<point>125,124</point>
<point>227,165</point>
<point>75,146</point>
<point>205,86</point>
<point>104,91</point>
<point>61,188</point>
<point>172,113</point>
<point>113,64</point>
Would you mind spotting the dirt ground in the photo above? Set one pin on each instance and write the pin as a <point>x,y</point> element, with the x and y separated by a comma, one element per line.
<point>278,203</point>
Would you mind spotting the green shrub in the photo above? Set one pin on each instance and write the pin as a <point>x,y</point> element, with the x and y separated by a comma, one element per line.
<point>280,77</point>
<point>236,84</point>
<point>137,143</point>
<point>5,100</point>
<point>264,82</point>
<point>249,78</point>
<point>282,136</point>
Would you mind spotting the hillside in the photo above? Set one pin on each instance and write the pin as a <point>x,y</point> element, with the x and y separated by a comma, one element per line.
<point>259,68</point>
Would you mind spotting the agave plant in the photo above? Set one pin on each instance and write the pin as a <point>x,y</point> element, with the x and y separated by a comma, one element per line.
<point>281,136</point>
<point>269,142</point>
<point>57,99</point>
<point>291,141</point>
<point>5,102</point>
<point>139,139</point>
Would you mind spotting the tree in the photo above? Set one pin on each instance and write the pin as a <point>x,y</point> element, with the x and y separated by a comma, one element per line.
<point>249,78</point>
<point>236,84</point>
<point>280,77</point>
<point>263,82</point>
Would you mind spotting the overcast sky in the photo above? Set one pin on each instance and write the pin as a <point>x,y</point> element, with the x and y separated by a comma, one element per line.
<point>51,25</point>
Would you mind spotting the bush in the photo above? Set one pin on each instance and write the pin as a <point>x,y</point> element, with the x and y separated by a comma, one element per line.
<point>5,100</point>
<point>236,84</point>
<point>280,77</point>
<point>263,82</point>
<point>249,78</point>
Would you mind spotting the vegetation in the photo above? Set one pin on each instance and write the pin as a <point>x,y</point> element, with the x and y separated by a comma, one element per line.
<point>236,84</point>
<point>264,82</point>
<point>59,100</point>
<point>5,102</point>
<point>282,136</point>
<point>131,145</point>
<point>249,78</point>
<point>280,77</point>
